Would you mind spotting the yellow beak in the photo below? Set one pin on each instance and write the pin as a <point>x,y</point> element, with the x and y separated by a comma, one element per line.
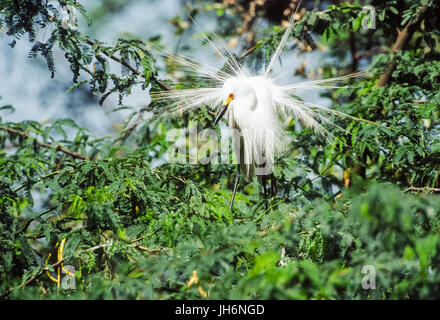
<point>224,108</point>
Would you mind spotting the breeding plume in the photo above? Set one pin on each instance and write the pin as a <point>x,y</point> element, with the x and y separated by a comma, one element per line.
<point>256,106</point>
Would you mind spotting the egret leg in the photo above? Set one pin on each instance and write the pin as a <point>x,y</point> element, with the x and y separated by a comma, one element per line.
<point>273,185</point>
<point>265,194</point>
<point>237,179</point>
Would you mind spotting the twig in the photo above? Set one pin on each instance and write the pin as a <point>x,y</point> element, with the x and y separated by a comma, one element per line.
<point>250,50</point>
<point>102,245</point>
<point>402,39</point>
<point>41,178</point>
<point>421,101</point>
<point>46,145</point>
<point>128,131</point>
<point>274,205</point>
<point>137,245</point>
<point>151,251</point>
<point>370,53</point>
<point>38,216</point>
<point>177,178</point>
<point>128,66</point>
<point>421,189</point>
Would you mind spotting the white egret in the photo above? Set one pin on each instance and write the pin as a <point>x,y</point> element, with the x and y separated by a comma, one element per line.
<point>255,103</point>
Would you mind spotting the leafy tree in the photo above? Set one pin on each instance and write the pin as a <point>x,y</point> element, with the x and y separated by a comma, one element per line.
<point>135,230</point>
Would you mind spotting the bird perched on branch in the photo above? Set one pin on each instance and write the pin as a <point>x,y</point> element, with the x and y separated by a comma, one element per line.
<point>255,104</point>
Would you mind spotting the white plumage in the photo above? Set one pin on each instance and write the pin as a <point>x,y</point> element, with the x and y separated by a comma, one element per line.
<point>259,134</point>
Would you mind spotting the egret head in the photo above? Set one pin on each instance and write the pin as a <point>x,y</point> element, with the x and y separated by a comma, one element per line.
<point>238,91</point>
<point>242,88</point>
<point>226,104</point>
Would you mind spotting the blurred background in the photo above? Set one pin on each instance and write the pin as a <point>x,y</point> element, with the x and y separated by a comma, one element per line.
<point>27,85</point>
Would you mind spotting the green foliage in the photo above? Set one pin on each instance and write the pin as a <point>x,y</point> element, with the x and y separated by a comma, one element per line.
<point>140,229</point>
<point>86,57</point>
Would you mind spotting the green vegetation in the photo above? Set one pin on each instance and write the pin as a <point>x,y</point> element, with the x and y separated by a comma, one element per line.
<point>137,231</point>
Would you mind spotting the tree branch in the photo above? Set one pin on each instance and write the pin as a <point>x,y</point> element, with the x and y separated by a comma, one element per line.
<point>125,64</point>
<point>403,38</point>
<point>426,189</point>
<point>370,53</point>
<point>45,145</point>
<point>250,50</point>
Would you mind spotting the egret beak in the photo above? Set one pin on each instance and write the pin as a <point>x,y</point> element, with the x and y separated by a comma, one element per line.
<point>224,108</point>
